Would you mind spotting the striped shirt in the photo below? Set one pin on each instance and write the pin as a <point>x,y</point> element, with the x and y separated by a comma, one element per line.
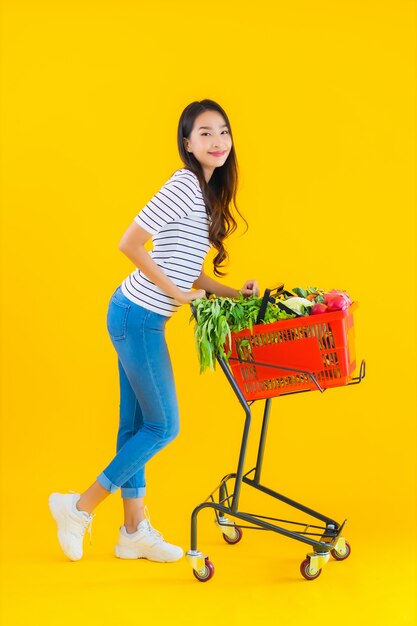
<point>177,219</point>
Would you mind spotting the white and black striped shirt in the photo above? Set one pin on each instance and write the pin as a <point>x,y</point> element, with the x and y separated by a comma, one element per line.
<point>177,219</point>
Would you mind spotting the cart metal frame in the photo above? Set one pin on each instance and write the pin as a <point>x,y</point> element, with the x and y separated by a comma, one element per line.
<point>324,539</point>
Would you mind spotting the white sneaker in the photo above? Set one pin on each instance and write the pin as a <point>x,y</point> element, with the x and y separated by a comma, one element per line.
<point>146,543</point>
<point>71,523</point>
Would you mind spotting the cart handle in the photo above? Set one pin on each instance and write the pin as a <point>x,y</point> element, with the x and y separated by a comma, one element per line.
<point>362,373</point>
<point>194,311</point>
<point>267,297</point>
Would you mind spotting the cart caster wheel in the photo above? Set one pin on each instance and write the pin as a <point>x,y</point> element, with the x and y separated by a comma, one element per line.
<point>305,570</point>
<point>237,537</point>
<point>207,574</point>
<point>341,557</point>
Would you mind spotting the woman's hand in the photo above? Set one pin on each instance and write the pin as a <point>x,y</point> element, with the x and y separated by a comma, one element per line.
<point>250,288</point>
<point>185,297</point>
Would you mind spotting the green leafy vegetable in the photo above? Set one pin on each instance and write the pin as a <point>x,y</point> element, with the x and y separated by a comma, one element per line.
<point>302,293</point>
<point>218,317</point>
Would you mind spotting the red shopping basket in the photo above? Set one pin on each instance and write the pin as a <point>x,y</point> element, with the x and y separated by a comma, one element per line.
<point>322,345</point>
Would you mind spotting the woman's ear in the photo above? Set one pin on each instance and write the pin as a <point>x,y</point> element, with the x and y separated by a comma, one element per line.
<point>187,145</point>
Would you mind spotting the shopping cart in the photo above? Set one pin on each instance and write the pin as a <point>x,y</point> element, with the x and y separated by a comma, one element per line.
<point>296,355</point>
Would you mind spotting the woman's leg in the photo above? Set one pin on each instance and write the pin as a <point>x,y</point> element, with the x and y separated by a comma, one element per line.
<point>134,508</point>
<point>138,337</point>
<point>131,420</point>
<point>134,513</point>
<point>92,497</point>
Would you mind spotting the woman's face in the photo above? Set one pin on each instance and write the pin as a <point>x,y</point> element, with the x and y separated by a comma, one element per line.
<point>209,141</point>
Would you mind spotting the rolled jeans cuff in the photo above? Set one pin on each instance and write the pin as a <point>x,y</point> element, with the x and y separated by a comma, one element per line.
<point>106,483</point>
<point>126,492</point>
<point>133,492</point>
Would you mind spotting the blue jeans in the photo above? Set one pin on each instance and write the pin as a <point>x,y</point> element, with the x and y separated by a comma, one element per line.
<point>149,417</point>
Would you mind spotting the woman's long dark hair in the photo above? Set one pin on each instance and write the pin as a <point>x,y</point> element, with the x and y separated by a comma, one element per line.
<point>221,189</point>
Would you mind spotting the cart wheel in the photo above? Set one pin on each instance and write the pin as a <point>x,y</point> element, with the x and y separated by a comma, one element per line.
<point>341,557</point>
<point>208,572</point>
<point>237,537</point>
<point>305,570</point>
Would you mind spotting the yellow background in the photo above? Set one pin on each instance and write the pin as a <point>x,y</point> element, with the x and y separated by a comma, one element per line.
<point>321,99</point>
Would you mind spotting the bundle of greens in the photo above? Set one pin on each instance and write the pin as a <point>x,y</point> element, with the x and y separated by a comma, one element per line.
<point>218,317</point>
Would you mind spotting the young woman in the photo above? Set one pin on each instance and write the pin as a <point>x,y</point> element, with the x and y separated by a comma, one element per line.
<point>185,218</point>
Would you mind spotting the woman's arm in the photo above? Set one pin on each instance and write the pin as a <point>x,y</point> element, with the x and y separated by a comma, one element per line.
<point>132,245</point>
<point>250,287</point>
<point>213,286</point>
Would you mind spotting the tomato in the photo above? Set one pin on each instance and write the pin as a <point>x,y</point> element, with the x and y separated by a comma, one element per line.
<point>318,308</point>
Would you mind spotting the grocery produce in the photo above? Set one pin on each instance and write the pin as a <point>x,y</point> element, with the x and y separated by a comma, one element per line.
<point>218,317</point>
<point>337,300</point>
<point>299,305</point>
<point>318,308</point>
<point>334,300</point>
<point>309,292</point>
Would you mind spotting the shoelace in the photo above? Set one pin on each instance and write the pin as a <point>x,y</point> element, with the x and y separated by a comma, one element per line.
<point>155,533</point>
<point>87,522</point>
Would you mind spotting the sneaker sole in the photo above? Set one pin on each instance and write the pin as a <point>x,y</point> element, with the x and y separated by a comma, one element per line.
<point>124,552</point>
